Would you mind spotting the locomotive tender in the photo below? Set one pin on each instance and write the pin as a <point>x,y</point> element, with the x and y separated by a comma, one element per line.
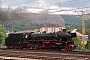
<point>55,41</point>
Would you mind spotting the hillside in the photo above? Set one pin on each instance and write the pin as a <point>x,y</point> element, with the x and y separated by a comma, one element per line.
<point>75,20</point>
<point>37,20</point>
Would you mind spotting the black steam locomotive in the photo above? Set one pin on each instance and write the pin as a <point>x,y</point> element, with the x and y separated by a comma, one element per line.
<point>53,41</point>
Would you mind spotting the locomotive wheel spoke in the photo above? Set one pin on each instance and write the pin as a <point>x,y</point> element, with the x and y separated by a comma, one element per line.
<point>66,48</point>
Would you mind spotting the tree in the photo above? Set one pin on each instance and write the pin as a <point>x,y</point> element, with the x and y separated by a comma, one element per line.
<point>2,34</point>
<point>78,43</point>
<point>68,27</point>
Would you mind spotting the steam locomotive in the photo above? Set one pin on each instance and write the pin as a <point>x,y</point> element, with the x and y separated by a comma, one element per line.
<point>53,41</point>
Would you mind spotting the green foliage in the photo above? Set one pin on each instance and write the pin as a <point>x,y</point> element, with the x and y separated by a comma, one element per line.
<point>88,45</point>
<point>20,26</point>
<point>76,21</point>
<point>88,33</point>
<point>68,27</point>
<point>78,43</point>
<point>72,20</point>
<point>2,34</point>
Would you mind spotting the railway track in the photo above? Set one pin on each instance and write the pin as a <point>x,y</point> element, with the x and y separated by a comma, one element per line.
<point>43,54</point>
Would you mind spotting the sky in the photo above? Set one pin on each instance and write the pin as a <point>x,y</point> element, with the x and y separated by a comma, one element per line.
<point>77,4</point>
<point>63,3</point>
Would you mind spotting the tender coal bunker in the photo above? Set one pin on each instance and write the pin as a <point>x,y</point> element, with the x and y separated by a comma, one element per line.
<point>14,39</point>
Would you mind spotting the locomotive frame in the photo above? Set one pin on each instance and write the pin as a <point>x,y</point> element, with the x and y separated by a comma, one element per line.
<point>52,41</point>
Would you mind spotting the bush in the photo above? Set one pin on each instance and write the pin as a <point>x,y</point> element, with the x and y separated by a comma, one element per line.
<point>78,43</point>
<point>2,34</point>
<point>88,45</point>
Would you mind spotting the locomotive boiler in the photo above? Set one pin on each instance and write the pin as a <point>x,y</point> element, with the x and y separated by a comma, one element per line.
<point>53,41</point>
